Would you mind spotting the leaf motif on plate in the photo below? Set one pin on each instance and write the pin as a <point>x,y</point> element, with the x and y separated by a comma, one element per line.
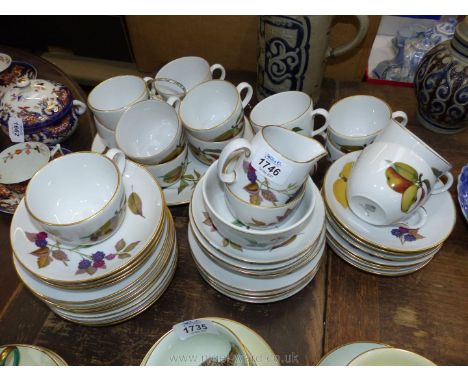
<point>120,245</point>
<point>123,255</point>
<point>30,236</point>
<point>285,243</point>
<point>235,246</point>
<point>60,255</point>
<point>40,251</point>
<point>269,195</point>
<point>258,223</point>
<point>131,246</point>
<point>135,204</point>
<point>296,129</point>
<point>182,186</point>
<point>43,261</point>
<point>173,175</point>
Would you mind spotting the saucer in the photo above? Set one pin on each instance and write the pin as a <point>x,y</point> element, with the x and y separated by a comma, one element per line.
<point>29,355</point>
<point>342,355</point>
<point>440,219</point>
<point>83,266</point>
<point>462,189</point>
<point>278,254</point>
<point>181,191</point>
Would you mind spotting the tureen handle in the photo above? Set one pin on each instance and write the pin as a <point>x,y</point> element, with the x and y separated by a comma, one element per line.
<point>80,107</point>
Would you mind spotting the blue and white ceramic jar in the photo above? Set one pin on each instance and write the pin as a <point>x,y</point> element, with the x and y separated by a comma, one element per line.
<point>441,84</point>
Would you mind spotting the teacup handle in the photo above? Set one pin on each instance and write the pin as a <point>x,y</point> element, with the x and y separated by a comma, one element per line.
<point>118,157</point>
<point>248,96</point>
<point>80,107</point>
<point>402,115</point>
<point>438,189</point>
<point>324,127</point>
<point>174,101</point>
<point>232,148</point>
<point>149,85</point>
<point>220,68</point>
<point>416,220</point>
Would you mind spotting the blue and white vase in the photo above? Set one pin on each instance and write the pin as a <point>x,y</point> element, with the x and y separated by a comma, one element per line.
<point>293,50</point>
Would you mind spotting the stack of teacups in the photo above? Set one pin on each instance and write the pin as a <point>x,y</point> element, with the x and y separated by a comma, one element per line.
<point>93,238</point>
<point>387,210</point>
<point>212,114</point>
<point>257,219</point>
<point>354,123</point>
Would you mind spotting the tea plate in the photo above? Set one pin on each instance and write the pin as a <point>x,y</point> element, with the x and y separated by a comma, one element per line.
<point>278,254</point>
<point>57,264</point>
<point>440,210</point>
<point>30,355</point>
<point>245,283</point>
<point>181,191</point>
<point>462,189</point>
<point>342,355</point>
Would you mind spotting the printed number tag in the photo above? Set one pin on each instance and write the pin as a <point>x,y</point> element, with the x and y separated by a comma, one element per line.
<point>16,129</point>
<point>274,169</point>
<point>191,328</point>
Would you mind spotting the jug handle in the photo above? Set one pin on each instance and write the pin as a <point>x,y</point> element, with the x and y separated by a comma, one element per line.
<point>361,33</point>
<point>228,154</point>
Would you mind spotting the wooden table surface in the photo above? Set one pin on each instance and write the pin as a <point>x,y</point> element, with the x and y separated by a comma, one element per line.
<point>426,312</point>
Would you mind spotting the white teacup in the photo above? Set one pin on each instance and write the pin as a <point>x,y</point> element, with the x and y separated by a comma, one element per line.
<point>150,132</point>
<point>333,152</point>
<point>293,110</point>
<point>271,168</point>
<point>112,97</point>
<point>389,183</point>
<point>357,120</point>
<point>107,135</point>
<point>211,110</point>
<point>170,172</point>
<point>79,198</point>
<point>179,76</point>
<point>399,134</point>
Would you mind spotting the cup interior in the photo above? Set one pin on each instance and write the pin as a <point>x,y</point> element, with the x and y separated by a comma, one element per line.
<point>147,128</point>
<point>359,116</point>
<point>292,146</point>
<point>72,188</point>
<point>116,93</point>
<point>280,108</point>
<point>209,104</point>
<point>189,71</point>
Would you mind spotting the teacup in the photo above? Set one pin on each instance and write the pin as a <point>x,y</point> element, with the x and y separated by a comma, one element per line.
<point>112,97</point>
<point>170,172</point>
<point>293,110</point>
<point>179,76</point>
<point>150,132</point>
<point>399,134</point>
<point>333,152</point>
<point>389,183</point>
<point>389,356</point>
<point>79,198</point>
<point>107,135</point>
<point>214,110</point>
<point>18,163</point>
<point>357,120</point>
<point>271,168</point>
<point>208,152</point>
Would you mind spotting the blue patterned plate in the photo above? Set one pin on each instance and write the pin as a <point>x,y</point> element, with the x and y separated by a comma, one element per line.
<point>462,189</point>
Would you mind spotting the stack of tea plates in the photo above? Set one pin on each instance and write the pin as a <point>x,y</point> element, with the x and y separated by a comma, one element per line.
<point>113,280</point>
<point>382,250</point>
<point>29,355</point>
<point>241,269</point>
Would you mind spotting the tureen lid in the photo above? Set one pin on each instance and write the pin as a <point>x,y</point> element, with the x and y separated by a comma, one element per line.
<point>37,102</point>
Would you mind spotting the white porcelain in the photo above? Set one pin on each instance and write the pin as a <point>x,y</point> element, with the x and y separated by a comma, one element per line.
<point>5,61</point>
<point>270,169</point>
<point>112,97</point>
<point>171,350</point>
<point>180,75</point>
<point>397,133</point>
<point>333,152</point>
<point>30,355</point>
<point>207,152</point>
<point>342,355</point>
<point>390,357</point>
<point>357,120</point>
<point>389,184</point>
<point>440,210</point>
<point>142,222</point>
<point>149,132</point>
<point>293,110</point>
<point>107,135</point>
<point>211,109</point>
<point>170,172</point>
<point>214,219</point>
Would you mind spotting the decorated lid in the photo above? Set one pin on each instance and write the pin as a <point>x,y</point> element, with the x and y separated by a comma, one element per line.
<point>36,102</point>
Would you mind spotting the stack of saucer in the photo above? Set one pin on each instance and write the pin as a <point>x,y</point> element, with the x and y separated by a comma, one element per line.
<point>383,250</point>
<point>250,265</point>
<point>112,280</point>
<point>29,355</point>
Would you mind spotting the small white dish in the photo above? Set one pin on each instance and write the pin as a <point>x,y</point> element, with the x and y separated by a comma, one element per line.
<point>180,192</point>
<point>57,264</point>
<point>441,216</point>
<point>342,355</point>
